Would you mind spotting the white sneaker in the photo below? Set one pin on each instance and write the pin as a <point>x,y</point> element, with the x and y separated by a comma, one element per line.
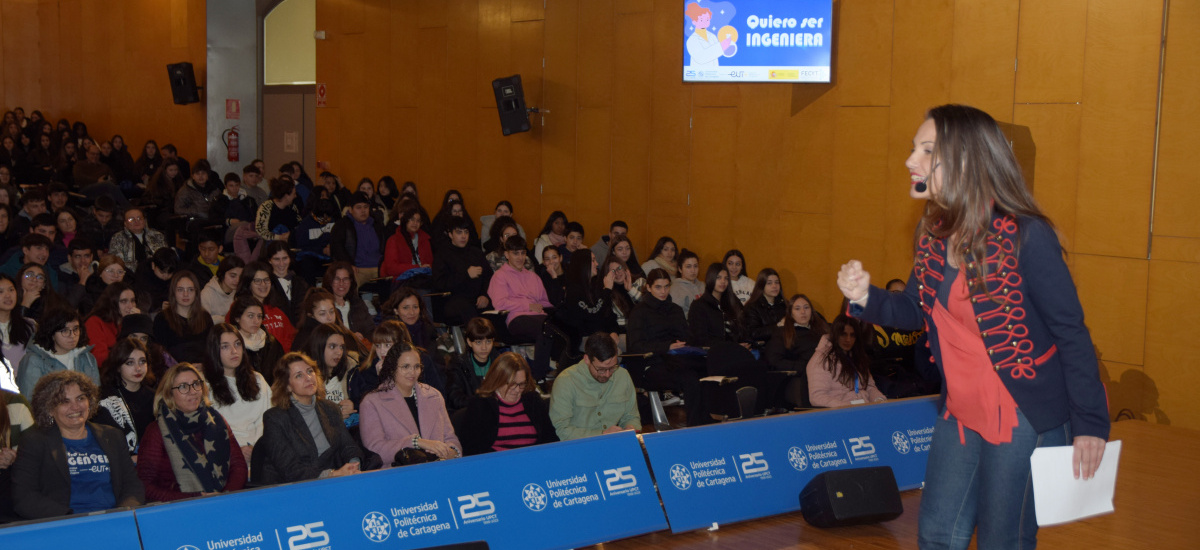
<point>670,399</point>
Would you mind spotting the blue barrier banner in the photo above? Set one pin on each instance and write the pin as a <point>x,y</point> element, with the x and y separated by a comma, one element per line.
<point>561,495</point>
<point>109,531</point>
<point>756,468</point>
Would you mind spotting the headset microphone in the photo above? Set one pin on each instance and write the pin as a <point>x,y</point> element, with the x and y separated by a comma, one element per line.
<point>920,186</point>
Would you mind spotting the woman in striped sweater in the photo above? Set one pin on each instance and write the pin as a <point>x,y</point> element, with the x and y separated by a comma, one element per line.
<point>507,412</point>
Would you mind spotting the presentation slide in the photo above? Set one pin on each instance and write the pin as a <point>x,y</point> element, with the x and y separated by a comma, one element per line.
<point>757,40</point>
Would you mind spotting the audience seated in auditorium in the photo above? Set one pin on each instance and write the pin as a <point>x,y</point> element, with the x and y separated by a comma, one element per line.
<point>15,418</point>
<point>550,270</point>
<point>386,335</point>
<point>262,349</point>
<point>595,396</point>
<point>48,477</point>
<point>16,331</point>
<point>256,283</point>
<point>601,249</point>
<point>657,326</point>
<point>136,242</point>
<point>183,324</point>
<point>409,247</point>
<point>504,209</point>
<point>574,241</point>
<point>339,279</point>
<point>506,412</point>
<point>715,316</point>
<point>553,235</point>
<point>287,288</point>
<point>189,450</point>
<point>793,344</point>
<point>102,326</point>
<point>519,291</point>
<point>217,295</point>
<point>503,229</point>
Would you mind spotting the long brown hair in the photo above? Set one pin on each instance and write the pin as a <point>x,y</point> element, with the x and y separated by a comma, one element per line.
<point>980,175</point>
<point>502,371</point>
<point>198,319</point>
<point>854,363</point>
<point>816,324</point>
<point>281,394</point>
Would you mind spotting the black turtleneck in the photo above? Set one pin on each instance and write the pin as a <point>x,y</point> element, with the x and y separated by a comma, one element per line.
<point>654,325</point>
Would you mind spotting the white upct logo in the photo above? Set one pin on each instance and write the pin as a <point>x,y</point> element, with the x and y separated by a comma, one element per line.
<point>376,527</point>
<point>798,459</point>
<point>681,478</point>
<point>534,497</point>
<point>477,505</point>
<point>861,447</point>
<point>306,532</point>
<point>619,478</point>
<point>753,463</point>
<point>901,443</point>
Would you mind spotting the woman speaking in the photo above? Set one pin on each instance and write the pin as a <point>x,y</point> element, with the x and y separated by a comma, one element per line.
<point>1005,328</point>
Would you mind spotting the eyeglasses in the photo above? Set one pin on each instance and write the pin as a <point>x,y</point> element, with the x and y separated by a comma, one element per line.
<point>260,280</point>
<point>341,279</point>
<point>35,276</point>
<point>132,219</point>
<point>70,331</point>
<point>196,385</point>
<point>609,370</point>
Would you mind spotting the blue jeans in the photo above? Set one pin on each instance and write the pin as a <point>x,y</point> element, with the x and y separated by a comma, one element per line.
<point>981,485</point>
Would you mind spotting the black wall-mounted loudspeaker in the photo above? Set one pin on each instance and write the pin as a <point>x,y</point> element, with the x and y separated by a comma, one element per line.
<point>183,83</point>
<point>838,498</point>
<point>510,102</point>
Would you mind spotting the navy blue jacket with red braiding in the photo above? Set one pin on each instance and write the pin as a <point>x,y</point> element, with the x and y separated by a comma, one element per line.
<point>1034,330</point>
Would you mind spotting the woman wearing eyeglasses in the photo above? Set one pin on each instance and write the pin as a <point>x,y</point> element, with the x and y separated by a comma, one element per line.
<point>189,451</point>
<point>256,282</point>
<point>405,414</point>
<point>60,343</point>
<point>37,294</point>
<point>506,412</point>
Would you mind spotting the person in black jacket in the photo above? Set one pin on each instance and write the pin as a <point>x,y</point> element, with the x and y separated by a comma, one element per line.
<point>464,272</point>
<point>464,376</point>
<point>303,433</point>
<point>793,344</point>
<point>507,412</point>
<point>714,317</point>
<point>42,483</point>
<point>358,239</point>
<point>764,309</point>
<point>657,326</point>
<point>587,306</point>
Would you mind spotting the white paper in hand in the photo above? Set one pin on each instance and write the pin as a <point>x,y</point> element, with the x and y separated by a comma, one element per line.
<point>1060,498</point>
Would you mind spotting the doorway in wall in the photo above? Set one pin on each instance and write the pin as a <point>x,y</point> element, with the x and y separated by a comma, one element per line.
<point>289,104</point>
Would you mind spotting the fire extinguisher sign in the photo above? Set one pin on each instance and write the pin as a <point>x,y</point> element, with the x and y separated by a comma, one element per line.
<point>233,109</point>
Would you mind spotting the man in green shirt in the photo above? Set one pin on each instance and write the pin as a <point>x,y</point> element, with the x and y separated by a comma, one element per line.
<point>595,396</point>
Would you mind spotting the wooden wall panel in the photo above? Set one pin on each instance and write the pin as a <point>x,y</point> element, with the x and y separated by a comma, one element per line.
<point>1179,138</point>
<point>922,64</point>
<point>431,13</point>
<point>1113,294</point>
<point>22,73</point>
<point>560,91</point>
<point>711,180</point>
<point>596,37</point>
<point>670,116</point>
<point>528,10</point>
<point>1177,249</point>
<point>1172,316</point>
<point>431,83</point>
<point>1055,129</point>
<point>1050,51</point>
<point>1117,129</point>
<point>984,54</point>
<point>859,178</point>
<point>402,58</point>
<point>494,47</point>
<point>593,171</point>
<point>864,52</point>
<point>805,267</point>
<point>631,119</point>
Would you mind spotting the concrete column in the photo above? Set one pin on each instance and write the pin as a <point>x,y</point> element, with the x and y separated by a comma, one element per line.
<point>234,69</point>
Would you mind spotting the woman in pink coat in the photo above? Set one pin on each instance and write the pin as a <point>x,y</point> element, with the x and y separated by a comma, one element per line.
<point>841,375</point>
<point>404,413</point>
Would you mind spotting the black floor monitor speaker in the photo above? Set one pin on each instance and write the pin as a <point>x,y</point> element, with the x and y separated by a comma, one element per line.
<point>855,496</point>
<point>510,102</point>
<point>183,83</point>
